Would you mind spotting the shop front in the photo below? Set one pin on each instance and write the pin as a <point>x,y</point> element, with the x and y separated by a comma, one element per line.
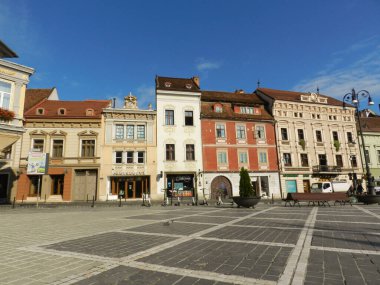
<point>129,187</point>
<point>180,185</point>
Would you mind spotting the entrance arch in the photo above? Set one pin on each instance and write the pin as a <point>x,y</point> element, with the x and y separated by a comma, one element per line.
<point>221,184</point>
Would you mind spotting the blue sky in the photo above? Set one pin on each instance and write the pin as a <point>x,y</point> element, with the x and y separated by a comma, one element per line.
<point>98,49</point>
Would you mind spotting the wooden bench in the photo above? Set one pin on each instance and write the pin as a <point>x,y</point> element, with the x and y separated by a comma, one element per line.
<point>320,198</point>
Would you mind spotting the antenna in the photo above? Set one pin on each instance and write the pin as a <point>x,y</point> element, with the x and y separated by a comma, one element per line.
<point>258,83</point>
<point>318,90</point>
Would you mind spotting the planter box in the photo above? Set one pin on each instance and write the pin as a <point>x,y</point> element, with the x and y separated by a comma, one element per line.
<point>246,202</point>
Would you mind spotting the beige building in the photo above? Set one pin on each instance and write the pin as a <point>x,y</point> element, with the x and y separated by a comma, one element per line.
<point>71,133</point>
<point>316,138</point>
<point>129,166</point>
<point>13,81</point>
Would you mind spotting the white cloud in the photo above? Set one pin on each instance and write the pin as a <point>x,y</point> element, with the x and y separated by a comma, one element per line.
<point>362,73</point>
<point>205,65</point>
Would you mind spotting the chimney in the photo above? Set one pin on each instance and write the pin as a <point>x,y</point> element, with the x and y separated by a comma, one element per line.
<point>196,81</point>
<point>239,91</point>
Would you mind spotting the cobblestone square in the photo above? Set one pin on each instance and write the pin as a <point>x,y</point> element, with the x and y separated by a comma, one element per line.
<point>190,245</point>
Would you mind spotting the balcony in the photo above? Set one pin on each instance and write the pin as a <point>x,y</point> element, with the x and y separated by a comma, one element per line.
<point>326,169</point>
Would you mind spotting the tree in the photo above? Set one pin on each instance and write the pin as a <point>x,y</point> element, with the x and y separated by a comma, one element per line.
<point>245,186</point>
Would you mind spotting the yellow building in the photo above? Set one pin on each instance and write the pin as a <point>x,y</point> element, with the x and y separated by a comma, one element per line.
<point>129,164</point>
<point>13,81</point>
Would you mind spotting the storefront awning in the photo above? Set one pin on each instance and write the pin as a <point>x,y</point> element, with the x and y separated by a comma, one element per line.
<point>7,140</point>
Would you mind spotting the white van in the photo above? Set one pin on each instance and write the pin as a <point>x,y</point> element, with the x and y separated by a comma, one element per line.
<point>329,187</point>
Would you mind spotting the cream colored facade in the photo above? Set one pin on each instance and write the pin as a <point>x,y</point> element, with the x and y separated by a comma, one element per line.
<point>13,81</point>
<point>306,132</point>
<point>129,166</point>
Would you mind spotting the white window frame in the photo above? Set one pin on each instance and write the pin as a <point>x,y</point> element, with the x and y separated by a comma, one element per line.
<point>219,162</point>
<point>240,128</point>
<point>4,94</point>
<point>117,128</point>
<point>127,132</point>
<point>137,132</point>
<point>115,156</point>
<point>52,147</point>
<point>244,155</point>
<point>224,130</point>
<point>143,157</point>
<point>33,142</point>
<point>81,145</point>
<point>257,132</point>
<point>262,154</point>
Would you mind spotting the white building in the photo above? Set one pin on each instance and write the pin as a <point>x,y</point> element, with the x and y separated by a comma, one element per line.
<point>179,144</point>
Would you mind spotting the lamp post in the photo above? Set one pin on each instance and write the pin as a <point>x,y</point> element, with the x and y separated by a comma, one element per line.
<point>353,98</point>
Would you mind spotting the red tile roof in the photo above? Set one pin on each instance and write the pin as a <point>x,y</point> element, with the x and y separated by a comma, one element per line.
<point>34,96</point>
<point>73,109</point>
<point>295,96</point>
<point>370,124</point>
<point>228,100</point>
<point>177,84</point>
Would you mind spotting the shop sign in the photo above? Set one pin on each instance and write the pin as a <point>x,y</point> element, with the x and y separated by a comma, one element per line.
<point>37,163</point>
<point>290,175</point>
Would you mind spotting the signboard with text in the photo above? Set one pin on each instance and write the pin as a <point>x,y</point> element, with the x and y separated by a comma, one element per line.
<point>37,163</point>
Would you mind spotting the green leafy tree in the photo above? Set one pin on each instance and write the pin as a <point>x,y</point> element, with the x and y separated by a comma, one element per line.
<point>245,186</point>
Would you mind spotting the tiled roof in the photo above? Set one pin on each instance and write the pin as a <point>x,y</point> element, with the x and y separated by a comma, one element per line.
<point>34,96</point>
<point>5,51</point>
<point>73,109</point>
<point>227,100</point>
<point>370,124</point>
<point>233,97</point>
<point>296,96</point>
<point>177,84</point>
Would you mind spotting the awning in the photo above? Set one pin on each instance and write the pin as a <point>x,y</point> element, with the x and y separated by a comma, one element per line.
<point>7,140</point>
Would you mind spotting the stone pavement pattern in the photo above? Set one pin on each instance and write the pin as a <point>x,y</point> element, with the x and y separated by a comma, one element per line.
<point>191,245</point>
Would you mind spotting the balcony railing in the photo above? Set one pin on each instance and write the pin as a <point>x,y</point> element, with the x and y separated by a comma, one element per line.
<point>326,168</point>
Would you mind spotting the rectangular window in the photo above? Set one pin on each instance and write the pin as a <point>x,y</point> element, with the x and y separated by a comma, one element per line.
<point>57,148</point>
<point>141,132</point>
<point>335,136</point>
<point>190,155</point>
<point>301,135</point>
<point>5,94</point>
<point>366,152</point>
<point>304,160</point>
<point>220,131</point>
<point>38,145</point>
<point>141,157</point>
<point>130,156</point>
<point>88,148</point>
<point>378,156</point>
<point>260,132</point>
<point>246,110</point>
<point>243,157</point>
<point>119,132</point>
<point>263,159</point>
<point>222,157</point>
<point>130,132</point>
<point>318,136</point>
<point>169,117</point>
<point>354,162</point>
<point>339,160</point>
<point>287,159</point>
<point>350,139</point>
<point>170,152</point>
<point>284,134</point>
<point>118,157</point>
<point>240,132</point>
<point>189,118</point>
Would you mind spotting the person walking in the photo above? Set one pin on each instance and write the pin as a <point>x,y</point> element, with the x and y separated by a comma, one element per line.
<point>359,190</point>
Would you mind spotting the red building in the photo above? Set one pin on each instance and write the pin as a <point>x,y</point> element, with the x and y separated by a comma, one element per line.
<point>237,131</point>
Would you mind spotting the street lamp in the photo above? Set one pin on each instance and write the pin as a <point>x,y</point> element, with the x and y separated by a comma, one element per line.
<point>353,98</point>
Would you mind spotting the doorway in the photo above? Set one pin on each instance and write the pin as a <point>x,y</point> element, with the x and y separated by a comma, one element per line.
<point>3,186</point>
<point>57,184</point>
<point>306,186</point>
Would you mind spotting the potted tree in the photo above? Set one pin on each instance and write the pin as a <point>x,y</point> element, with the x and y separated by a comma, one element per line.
<point>247,197</point>
<point>337,145</point>
<point>302,143</point>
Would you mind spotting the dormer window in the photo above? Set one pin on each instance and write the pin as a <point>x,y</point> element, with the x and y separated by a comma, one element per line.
<point>61,111</point>
<point>218,109</point>
<point>188,86</point>
<point>89,112</point>
<point>168,84</point>
<point>40,111</point>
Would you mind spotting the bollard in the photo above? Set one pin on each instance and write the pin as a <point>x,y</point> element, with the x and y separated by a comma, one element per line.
<point>120,201</point>
<point>93,202</point>
<point>272,199</point>
<point>14,202</point>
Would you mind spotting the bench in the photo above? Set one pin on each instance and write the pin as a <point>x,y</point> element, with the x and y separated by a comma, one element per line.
<point>320,198</point>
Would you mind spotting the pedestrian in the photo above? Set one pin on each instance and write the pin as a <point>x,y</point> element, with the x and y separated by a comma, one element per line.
<point>360,189</point>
